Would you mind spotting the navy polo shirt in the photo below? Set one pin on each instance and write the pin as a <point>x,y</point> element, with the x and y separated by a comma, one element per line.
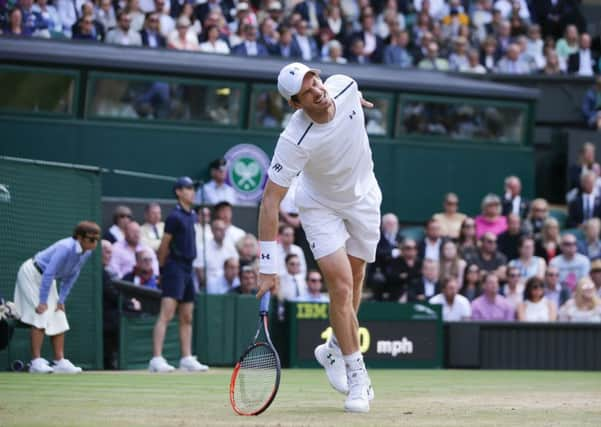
<point>180,224</point>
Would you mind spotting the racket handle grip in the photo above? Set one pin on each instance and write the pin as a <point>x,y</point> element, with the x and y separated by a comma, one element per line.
<point>264,305</point>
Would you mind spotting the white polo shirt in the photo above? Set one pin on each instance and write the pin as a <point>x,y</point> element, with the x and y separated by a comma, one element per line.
<point>335,157</point>
<point>460,310</point>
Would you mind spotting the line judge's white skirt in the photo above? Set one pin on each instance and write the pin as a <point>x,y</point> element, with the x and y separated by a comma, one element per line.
<point>27,298</point>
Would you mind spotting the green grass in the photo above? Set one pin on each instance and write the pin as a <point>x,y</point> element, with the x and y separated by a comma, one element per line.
<point>409,398</point>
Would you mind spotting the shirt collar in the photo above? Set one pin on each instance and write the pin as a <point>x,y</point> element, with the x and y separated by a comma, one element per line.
<point>77,247</point>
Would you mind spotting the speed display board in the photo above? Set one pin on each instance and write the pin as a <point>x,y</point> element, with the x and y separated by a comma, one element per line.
<point>390,335</point>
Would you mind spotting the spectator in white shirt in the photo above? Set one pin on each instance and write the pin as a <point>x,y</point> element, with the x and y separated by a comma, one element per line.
<point>292,281</point>
<point>287,247</point>
<point>152,230</point>
<point>105,14</point>
<point>167,23</point>
<point>473,63</point>
<point>223,211</point>
<point>203,229</point>
<point>248,249</point>
<point>214,44</point>
<point>121,217</point>
<point>216,190</point>
<point>582,62</point>
<point>123,34</point>
<point>228,280</point>
<point>68,11</point>
<point>455,307</point>
<point>182,38</point>
<point>314,284</point>
<point>217,251</point>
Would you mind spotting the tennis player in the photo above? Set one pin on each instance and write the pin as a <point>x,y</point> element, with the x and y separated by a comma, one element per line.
<point>41,305</point>
<point>339,205</point>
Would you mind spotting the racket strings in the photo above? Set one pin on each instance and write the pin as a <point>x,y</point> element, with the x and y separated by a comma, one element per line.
<point>256,379</point>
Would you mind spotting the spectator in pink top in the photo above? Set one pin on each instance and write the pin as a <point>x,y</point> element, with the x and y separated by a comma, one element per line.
<point>491,219</point>
<point>490,305</point>
<point>124,252</point>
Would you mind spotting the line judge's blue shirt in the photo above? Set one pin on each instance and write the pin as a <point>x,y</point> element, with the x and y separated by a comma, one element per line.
<point>180,224</point>
<point>62,261</point>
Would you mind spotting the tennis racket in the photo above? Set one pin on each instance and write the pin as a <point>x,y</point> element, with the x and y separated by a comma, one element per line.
<point>256,377</point>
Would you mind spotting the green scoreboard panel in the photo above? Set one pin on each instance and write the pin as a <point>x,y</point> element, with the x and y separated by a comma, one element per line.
<point>390,335</point>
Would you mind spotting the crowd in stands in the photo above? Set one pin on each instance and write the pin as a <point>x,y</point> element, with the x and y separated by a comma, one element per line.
<point>511,262</point>
<point>517,260</point>
<point>481,36</point>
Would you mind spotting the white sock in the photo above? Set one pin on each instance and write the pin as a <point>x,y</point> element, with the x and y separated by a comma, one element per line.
<point>333,342</point>
<point>353,361</point>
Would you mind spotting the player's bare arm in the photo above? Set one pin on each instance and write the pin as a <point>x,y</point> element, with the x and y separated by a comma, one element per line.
<point>268,230</point>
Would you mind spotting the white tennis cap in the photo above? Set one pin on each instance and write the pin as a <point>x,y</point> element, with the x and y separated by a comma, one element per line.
<point>290,79</point>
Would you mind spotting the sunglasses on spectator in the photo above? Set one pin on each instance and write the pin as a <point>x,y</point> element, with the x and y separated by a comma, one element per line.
<point>452,203</point>
<point>125,216</point>
<point>409,248</point>
<point>314,280</point>
<point>568,243</point>
<point>514,275</point>
<point>552,274</point>
<point>540,209</point>
<point>92,239</point>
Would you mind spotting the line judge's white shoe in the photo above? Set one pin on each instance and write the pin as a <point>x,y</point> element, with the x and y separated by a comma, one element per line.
<point>358,396</point>
<point>331,360</point>
<point>191,364</point>
<point>159,364</point>
<point>64,366</point>
<point>40,366</point>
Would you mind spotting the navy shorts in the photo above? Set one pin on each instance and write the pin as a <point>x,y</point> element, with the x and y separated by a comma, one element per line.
<point>177,281</point>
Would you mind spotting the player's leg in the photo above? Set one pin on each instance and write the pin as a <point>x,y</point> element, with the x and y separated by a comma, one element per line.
<point>336,269</point>
<point>358,270</point>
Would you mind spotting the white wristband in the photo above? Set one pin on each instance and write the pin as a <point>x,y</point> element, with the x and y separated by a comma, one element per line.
<point>268,257</point>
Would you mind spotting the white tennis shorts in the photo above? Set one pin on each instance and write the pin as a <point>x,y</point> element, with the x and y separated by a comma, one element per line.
<point>27,298</point>
<point>356,227</point>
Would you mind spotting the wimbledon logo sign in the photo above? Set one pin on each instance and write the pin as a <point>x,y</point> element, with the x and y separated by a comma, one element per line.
<point>247,171</point>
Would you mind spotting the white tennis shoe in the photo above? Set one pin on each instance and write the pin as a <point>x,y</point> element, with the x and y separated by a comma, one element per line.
<point>331,360</point>
<point>159,364</point>
<point>191,364</point>
<point>40,366</point>
<point>64,366</point>
<point>358,396</point>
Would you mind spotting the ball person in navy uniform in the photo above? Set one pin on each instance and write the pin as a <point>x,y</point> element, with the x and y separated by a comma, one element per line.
<point>176,253</point>
<point>325,144</point>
